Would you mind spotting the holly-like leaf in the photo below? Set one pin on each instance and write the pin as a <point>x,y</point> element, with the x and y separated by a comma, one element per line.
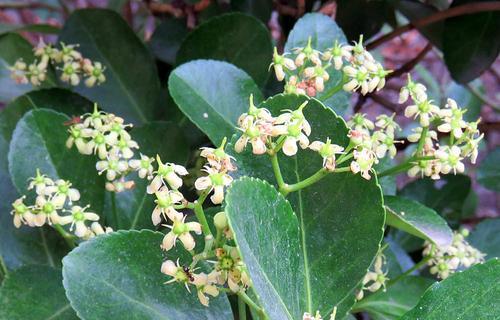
<point>488,174</point>
<point>117,276</point>
<point>34,292</point>
<point>418,220</point>
<point>323,32</point>
<point>167,38</point>
<point>341,217</point>
<point>132,87</point>
<point>245,42</point>
<point>39,142</point>
<point>486,237</point>
<point>471,294</point>
<point>212,94</point>
<point>396,300</point>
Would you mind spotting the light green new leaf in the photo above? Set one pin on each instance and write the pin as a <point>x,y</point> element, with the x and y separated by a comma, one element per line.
<point>117,276</point>
<point>323,32</point>
<point>212,94</point>
<point>39,142</point>
<point>245,42</point>
<point>486,237</point>
<point>132,87</point>
<point>341,217</point>
<point>34,292</point>
<point>398,299</point>
<point>471,294</point>
<point>488,174</point>
<point>418,220</point>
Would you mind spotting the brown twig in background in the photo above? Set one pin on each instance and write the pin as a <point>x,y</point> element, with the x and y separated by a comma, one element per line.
<point>408,66</point>
<point>164,8</point>
<point>359,104</point>
<point>469,8</point>
<point>284,9</point>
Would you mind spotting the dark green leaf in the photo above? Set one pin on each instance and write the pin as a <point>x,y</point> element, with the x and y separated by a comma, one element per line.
<point>167,39</point>
<point>470,43</point>
<point>260,9</point>
<point>398,261</point>
<point>471,294</point>
<point>488,174</point>
<point>396,301</point>
<point>244,42</point>
<point>39,142</point>
<point>38,28</point>
<point>212,94</point>
<point>132,87</point>
<point>323,32</point>
<point>341,217</point>
<point>415,10</point>
<point>486,237</point>
<point>418,220</point>
<point>34,292</point>
<point>117,276</point>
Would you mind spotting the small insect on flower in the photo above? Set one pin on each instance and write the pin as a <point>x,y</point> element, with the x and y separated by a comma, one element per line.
<point>178,273</point>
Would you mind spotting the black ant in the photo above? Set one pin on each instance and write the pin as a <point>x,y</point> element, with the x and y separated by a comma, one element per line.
<point>188,273</point>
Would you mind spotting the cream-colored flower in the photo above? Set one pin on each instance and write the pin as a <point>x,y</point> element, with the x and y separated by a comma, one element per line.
<point>383,143</point>
<point>77,219</point>
<point>94,72</point>
<point>280,62</point>
<point>215,181</point>
<point>47,211</point>
<point>97,229</point>
<point>21,213</point>
<point>205,286</point>
<point>425,110</point>
<point>167,173</point>
<point>429,137</point>
<point>327,150</point>
<point>61,190</point>
<point>218,158</point>
<point>180,230</point>
<point>37,73</point>
<point>40,182</point>
<point>387,123</point>
<point>363,162</point>
<point>113,165</point>
<point>70,73</point>
<point>451,159</point>
<point>165,202</point>
<point>359,122</point>
<point>143,166</point>
<point>79,136</point>
<point>452,117</point>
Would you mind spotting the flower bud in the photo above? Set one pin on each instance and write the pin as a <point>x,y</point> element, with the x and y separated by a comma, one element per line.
<point>220,220</point>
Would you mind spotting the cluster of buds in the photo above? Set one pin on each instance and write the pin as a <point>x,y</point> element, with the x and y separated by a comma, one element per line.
<point>72,64</point>
<point>459,255</point>
<point>464,137</point>
<point>310,69</point>
<point>317,316</point>
<point>56,204</point>
<point>106,135</point>
<point>375,278</point>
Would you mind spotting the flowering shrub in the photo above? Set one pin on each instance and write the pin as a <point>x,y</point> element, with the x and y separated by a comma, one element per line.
<point>242,206</point>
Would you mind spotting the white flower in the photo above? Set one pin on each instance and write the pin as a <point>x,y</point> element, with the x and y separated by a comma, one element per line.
<point>452,119</point>
<point>428,168</point>
<point>384,142</point>
<point>18,72</point>
<point>68,53</point>
<point>165,202</point>
<point>21,213</point>
<point>470,148</point>
<point>100,142</point>
<point>425,110</point>
<point>47,211</point>
<point>376,279</point>
<point>180,230</point>
<point>113,166</point>
<point>79,136</point>
<point>94,72</point>
<point>178,273</point>
<point>143,166</point>
<point>359,122</point>
<point>416,91</point>
<point>450,159</point>
<point>97,229</point>
<point>70,73</point>
<point>119,185</point>
<point>37,73</point>
<point>359,79</point>
<point>40,182</point>
<point>318,75</point>
<point>327,150</point>
<point>205,286</point>
<point>306,53</point>
<point>387,122</point>
<point>215,181</point>
<point>363,162</point>
<point>279,63</point>
<point>62,190</point>
<point>294,133</point>
<point>218,158</point>
<point>429,137</point>
<point>77,219</point>
<point>337,54</point>
<point>124,148</point>
<point>360,138</point>
<point>167,173</point>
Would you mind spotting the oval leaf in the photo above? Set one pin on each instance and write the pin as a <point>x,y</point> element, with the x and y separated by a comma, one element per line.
<point>123,281</point>
<point>418,220</point>
<point>212,94</point>
<point>471,294</point>
<point>245,42</point>
<point>34,292</point>
<point>132,87</point>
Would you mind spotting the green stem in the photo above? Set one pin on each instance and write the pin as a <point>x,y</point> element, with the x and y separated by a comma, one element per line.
<point>242,309</point>
<point>344,158</point>
<point>3,269</point>
<point>200,214</point>
<point>243,296</point>
<point>218,238</point>
<point>335,89</point>
<point>419,265</point>
<point>320,174</point>
<point>407,164</point>
<point>277,170</point>
<point>421,142</point>
<point>67,237</point>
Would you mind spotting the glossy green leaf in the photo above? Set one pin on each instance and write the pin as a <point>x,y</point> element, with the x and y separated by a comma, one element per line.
<point>212,94</point>
<point>132,209</point>
<point>167,38</point>
<point>341,217</point>
<point>245,42</point>
<point>39,142</point>
<point>396,301</point>
<point>117,276</point>
<point>488,174</point>
<point>418,220</point>
<point>470,43</point>
<point>323,32</point>
<point>132,87</point>
<point>34,292</point>
<point>12,47</point>
<point>471,294</point>
<point>486,237</point>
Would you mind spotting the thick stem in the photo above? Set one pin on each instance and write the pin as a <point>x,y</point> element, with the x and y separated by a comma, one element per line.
<point>243,296</point>
<point>242,309</point>
<point>67,237</point>
<point>202,219</point>
<point>419,265</point>
<point>421,142</point>
<point>320,174</point>
<point>277,170</point>
<point>407,164</point>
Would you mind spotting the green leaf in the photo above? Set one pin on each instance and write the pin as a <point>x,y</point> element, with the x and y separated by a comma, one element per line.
<point>34,292</point>
<point>123,281</point>
<point>396,301</point>
<point>132,209</point>
<point>13,47</point>
<point>39,142</point>
<point>418,220</point>
<point>470,43</point>
<point>167,39</point>
<point>38,28</point>
<point>132,87</point>
<point>388,183</point>
<point>245,42</point>
<point>398,261</point>
<point>341,217</point>
<point>486,237</point>
<point>260,9</point>
<point>488,174</point>
<point>323,32</point>
<point>212,94</point>
<point>471,294</point>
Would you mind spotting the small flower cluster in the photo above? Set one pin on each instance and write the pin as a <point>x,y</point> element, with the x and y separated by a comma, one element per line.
<point>53,200</point>
<point>374,279</point>
<point>310,69</point>
<point>317,316</point>
<point>106,135</point>
<point>464,137</point>
<point>73,66</point>
<point>447,260</point>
